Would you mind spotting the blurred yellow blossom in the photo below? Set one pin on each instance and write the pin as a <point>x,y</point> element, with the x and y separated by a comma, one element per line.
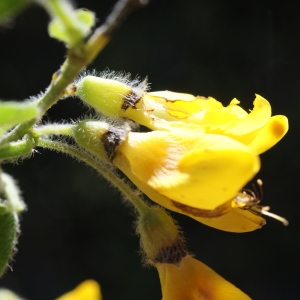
<point>87,290</point>
<point>193,280</point>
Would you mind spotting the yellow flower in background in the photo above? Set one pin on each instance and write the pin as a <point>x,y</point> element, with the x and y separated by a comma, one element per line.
<point>193,280</point>
<point>87,290</point>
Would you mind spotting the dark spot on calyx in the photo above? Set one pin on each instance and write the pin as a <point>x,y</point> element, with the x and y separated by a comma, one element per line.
<point>131,99</point>
<point>112,139</point>
<point>171,254</point>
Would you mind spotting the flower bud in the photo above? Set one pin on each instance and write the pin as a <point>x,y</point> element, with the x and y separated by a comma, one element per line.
<point>108,96</point>
<point>160,237</point>
<point>99,138</point>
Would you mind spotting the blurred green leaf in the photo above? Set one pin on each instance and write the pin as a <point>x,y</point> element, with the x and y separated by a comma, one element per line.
<point>87,18</point>
<point>9,8</point>
<point>10,204</point>
<point>13,113</point>
<point>71,34</point>
<point>3,208</point>
<point>8,234</point>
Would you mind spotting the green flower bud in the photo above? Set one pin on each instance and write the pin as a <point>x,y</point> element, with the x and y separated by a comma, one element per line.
<point>160,238</point>
<point>99,138</point>
<point>108,96</point>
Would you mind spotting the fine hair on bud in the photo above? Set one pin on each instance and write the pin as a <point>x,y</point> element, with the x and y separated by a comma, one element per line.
<point>137,84</point>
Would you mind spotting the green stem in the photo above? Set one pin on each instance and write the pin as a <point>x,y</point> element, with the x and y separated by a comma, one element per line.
<point>56,129</point>
<point>104,169</point>
<point>77,60</point>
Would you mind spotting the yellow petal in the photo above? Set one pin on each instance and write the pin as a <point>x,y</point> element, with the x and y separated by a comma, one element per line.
<point>87,290</point>
<point>203,171</point>
<point>236,220</point>
<point>184,112</point>
<point>270,134</point>
<point>187,108</point>
<point>193,280</point>
<point>247,128</point>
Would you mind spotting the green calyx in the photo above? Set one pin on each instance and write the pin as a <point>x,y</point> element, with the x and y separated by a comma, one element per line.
<point>99,138</point>
<point>108,96</point>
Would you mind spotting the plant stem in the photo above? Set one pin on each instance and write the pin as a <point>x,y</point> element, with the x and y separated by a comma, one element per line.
<point>104,169</point>
<point>78,58</point>
<point>57,129</point>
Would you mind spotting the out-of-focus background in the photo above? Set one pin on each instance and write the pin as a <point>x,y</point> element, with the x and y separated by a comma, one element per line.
<point>77,227</point>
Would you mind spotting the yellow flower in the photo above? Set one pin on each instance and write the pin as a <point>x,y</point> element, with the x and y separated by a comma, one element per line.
<point>87,290</point>
<point>181,112</point>
<point>193,280</point>
<point>197,175</point>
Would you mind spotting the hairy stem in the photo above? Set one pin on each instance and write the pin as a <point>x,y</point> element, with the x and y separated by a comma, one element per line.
<point>56,129</point>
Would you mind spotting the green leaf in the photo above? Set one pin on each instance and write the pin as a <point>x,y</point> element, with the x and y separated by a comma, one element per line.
<point>75,30</point>
<point>8,234</point>
<point>13,113</point>
<point>9,8</point>
<point>87,19</point>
